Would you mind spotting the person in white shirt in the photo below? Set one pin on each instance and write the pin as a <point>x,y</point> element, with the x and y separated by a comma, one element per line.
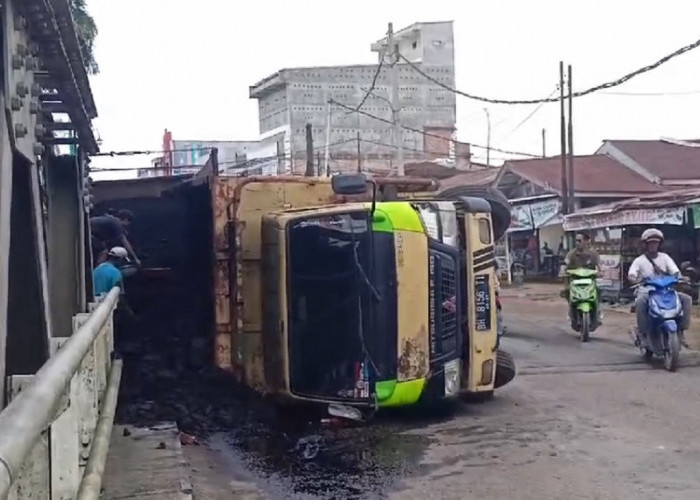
<point>650,264</point>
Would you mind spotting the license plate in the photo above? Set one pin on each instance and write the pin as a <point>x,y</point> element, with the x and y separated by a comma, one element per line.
<point>482,303</point>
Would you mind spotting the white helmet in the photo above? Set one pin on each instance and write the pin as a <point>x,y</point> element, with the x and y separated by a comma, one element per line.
<point>119,252</point>
<point>652,234</point>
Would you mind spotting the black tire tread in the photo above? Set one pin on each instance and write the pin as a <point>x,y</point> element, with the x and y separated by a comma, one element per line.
<point>585,326</point>
<point>505,369</point>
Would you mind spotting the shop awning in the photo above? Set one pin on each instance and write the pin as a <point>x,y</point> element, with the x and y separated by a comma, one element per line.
<point>666,208</point>
<point>642,217</point>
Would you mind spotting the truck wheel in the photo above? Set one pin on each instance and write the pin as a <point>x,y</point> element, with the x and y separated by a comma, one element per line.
<point>505,368</point>
<point>500,207</point>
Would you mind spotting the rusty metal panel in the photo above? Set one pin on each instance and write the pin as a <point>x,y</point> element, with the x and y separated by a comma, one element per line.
<point>413,343</point>
<point>237,274</point>
<point>262,195</point>
<point>222,195</point>
<point>237,290</point>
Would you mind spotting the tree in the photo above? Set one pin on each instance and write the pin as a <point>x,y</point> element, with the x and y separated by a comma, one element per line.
<point>87,32</point>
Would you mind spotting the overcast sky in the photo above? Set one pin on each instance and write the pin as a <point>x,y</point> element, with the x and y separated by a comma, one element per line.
<point>187,65</point>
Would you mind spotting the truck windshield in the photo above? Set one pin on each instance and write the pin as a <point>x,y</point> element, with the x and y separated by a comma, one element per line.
<point>331,296</point>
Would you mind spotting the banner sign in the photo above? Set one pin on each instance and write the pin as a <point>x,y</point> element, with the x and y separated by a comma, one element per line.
<point>535,215</point>
<point>545,212</point>
<point>520,218</point>
<point>641,217</point>
<point>610,269</point>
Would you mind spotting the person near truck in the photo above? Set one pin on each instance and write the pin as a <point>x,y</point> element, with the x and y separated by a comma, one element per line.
<point>109,231</point>
<point>107,274</point>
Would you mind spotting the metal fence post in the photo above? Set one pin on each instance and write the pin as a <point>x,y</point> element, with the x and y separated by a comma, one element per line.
<point>65,443</point>
<point>34,476</point>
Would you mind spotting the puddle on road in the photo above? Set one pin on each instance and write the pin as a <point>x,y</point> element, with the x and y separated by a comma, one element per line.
<point>355,462</point>
<point>361,462</point>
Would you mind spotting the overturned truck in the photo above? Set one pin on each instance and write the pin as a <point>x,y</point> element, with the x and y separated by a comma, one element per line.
<point>356,293</point>
<point>383,300</point>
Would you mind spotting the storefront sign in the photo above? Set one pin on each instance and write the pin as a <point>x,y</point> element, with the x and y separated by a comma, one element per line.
<point>609,276</point>
<point>520,218</point>
<point>544,211</point>
<point>641,217</point>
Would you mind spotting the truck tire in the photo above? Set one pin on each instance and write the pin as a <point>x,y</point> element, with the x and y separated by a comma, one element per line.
<point>505,369</point>
<point>500,207</point>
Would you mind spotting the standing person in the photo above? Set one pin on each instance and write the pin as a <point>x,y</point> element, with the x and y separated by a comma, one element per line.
<point>107,275</point>
<point>109,231</point>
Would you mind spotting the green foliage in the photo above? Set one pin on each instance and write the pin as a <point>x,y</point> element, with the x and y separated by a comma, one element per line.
<point>87,32</point>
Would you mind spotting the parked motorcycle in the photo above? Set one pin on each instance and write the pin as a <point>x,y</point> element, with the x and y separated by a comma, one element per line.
<point>583,301</point>
<point>664,314</point>
<point>690,284</point>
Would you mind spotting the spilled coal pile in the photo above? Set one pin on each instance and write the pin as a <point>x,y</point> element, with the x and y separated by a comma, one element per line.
<point>168,377</point>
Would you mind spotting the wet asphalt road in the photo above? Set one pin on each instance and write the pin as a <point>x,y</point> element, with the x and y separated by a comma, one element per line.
<point>584,421</point>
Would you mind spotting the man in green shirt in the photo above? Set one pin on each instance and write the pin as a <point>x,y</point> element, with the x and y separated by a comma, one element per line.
<point>582,256</point>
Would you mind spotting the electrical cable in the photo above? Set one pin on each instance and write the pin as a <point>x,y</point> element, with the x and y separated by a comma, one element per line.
<point>653,94</point>
<point>530,115</point>
<point>235,163</point>
<point>149,152</point>
<point>374,291</point>
<point>602,86</point>
<point>428,134</point>
<point>371,87</point>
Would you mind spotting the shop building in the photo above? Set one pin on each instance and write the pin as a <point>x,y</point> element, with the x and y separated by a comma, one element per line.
<point>616,228</point>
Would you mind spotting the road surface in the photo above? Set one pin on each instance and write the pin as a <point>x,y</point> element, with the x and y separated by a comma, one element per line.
<point>583,421</point>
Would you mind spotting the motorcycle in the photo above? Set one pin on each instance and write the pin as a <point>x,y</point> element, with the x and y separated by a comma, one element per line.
<point>583,301</point>
<point>664,314</point>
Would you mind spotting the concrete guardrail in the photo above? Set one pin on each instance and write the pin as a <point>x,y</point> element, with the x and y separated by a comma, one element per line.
<point>54,433</point>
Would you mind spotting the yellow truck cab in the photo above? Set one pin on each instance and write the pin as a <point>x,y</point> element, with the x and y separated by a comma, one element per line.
<point>379,304</point>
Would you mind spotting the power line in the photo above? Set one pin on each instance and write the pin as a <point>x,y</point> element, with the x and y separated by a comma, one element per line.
<point>602,86</point>
<point>234,163</point>
<point>394,146</point>
<point>149,152</point>
<point>652,94</point>
<point>428,134</point>
<point>371,87</point>
<point>530,115</point>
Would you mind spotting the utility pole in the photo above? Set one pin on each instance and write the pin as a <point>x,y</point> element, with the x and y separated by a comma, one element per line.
<point>318,164</point>
<point>359,154</point>
<point>488,137</point>
<point>544,143</point>
<point>309,151</point>
<point>564,183</point>
<point>571,196</point>
<point>328,139</point>
<point>393,49</point>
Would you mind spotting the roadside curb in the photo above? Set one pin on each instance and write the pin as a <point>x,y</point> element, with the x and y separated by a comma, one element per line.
<point>147,463</point>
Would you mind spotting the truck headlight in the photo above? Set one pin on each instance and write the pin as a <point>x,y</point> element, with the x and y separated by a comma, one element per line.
<point>452,371</point>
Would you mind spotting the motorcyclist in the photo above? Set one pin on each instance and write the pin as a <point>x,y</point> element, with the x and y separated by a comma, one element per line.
<point>582,256</point>
<point>650,264</point>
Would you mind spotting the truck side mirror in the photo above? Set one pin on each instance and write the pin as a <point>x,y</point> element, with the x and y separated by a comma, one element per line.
<point>349,184</point>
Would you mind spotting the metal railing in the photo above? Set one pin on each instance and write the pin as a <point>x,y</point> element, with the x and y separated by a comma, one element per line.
<point>53,438</point>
